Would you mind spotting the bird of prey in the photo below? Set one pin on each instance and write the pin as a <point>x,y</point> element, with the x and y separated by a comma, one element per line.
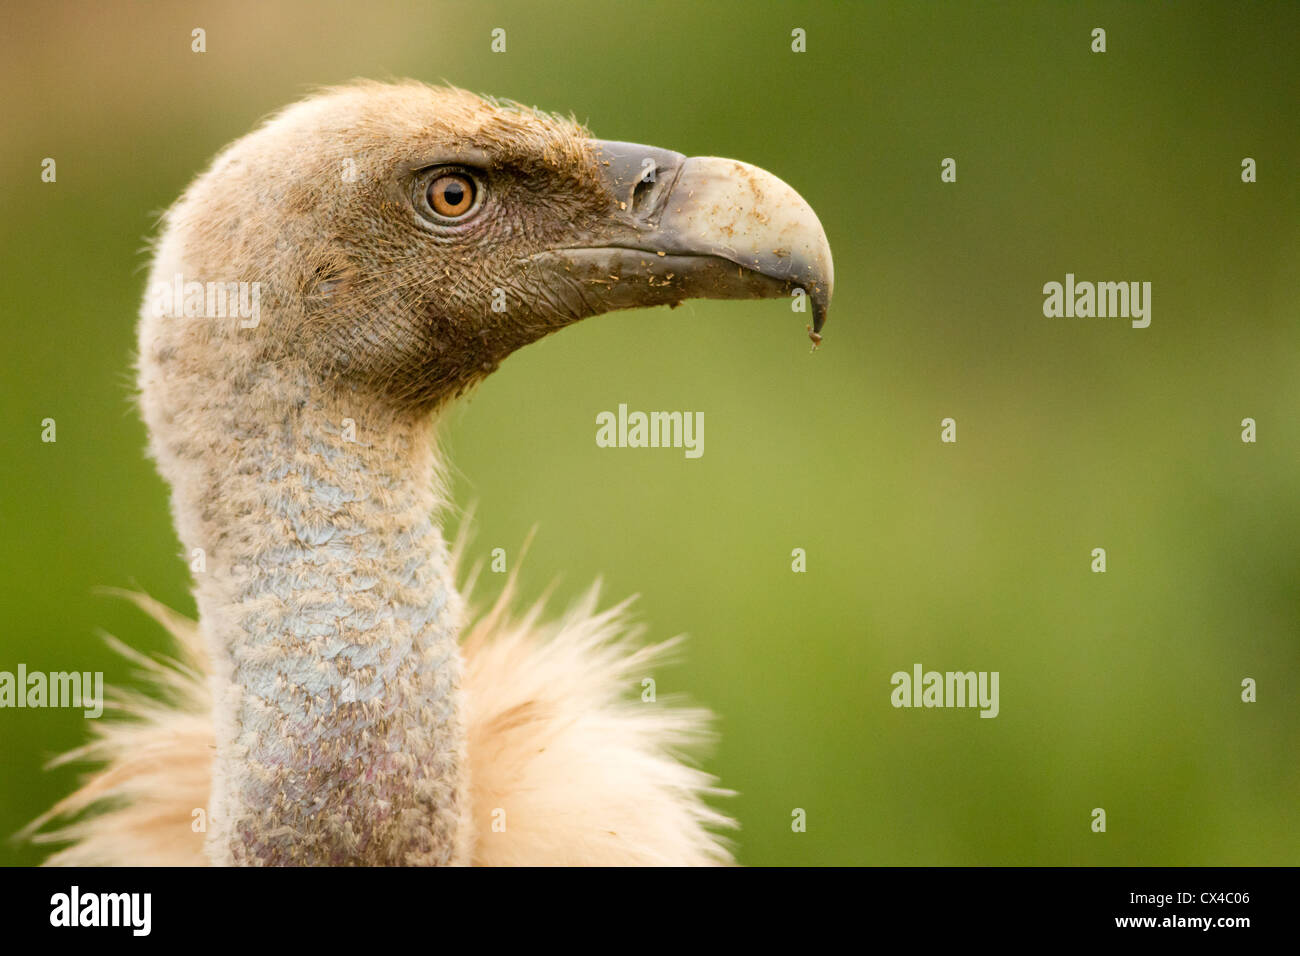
<point>318,297</point>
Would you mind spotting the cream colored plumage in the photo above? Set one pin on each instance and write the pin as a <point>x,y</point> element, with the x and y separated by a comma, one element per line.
<point>329,707</point>
<point>589,775</point>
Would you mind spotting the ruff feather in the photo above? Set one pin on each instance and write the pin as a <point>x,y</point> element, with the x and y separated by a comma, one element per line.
<point>565,768</point>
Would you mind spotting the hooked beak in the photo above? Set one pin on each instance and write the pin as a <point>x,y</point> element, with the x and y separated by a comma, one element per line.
<point>697,227</point>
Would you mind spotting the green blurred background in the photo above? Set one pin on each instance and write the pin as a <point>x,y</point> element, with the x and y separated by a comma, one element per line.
<point>1118,690</point>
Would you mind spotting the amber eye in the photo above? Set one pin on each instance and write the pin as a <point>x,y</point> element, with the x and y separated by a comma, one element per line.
<point>451,195</point>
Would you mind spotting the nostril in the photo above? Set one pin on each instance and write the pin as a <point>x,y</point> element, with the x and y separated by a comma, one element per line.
<point>638,176</point>
<point>644,189</point>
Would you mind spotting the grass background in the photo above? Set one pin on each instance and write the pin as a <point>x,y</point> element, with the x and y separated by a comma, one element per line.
<point>1118,690</point>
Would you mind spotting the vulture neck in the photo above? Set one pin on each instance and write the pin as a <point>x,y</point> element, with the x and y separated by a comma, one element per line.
<point>330,613</point>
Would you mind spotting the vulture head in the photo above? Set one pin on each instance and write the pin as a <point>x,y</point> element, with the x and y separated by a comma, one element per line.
<point>405,239</point>
<point>335,277</point>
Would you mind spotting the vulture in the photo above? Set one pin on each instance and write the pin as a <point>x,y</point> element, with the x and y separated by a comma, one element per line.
<point>318,298</point>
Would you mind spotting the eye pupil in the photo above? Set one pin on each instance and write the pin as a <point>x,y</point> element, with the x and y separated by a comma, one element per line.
<point>451,195</point>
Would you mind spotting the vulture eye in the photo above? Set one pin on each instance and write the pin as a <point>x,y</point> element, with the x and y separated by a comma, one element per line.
<point>451,195</point>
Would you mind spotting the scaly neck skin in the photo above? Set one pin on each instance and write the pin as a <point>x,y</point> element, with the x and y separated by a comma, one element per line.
<point>331,617</point>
